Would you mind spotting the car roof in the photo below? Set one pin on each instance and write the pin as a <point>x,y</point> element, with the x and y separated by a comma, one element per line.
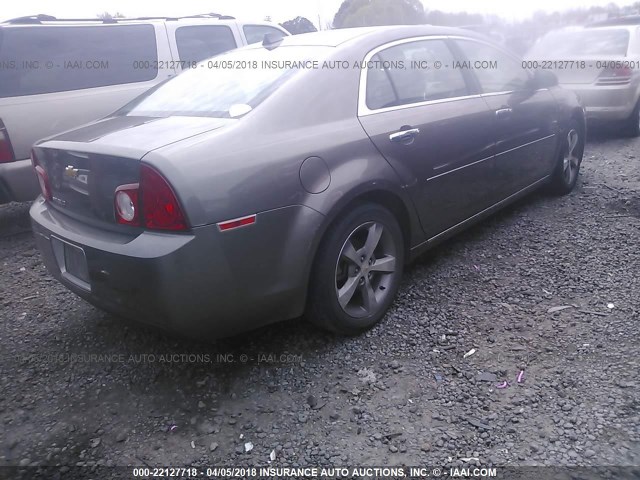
<point>333,38</point>
<point>208,18</point>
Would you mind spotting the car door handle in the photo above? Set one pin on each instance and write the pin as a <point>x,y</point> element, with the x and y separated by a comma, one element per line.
<point>503,112</point>
<point>404,135</point>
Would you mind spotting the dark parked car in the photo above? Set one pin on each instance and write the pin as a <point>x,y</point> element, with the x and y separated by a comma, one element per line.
<point>285,178</point>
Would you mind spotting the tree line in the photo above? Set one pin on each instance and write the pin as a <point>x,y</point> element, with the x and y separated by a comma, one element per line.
<point>519,35</point>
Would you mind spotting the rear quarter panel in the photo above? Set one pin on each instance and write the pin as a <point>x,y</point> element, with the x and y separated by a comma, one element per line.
<point>255,165</point>
<point>569,106</point>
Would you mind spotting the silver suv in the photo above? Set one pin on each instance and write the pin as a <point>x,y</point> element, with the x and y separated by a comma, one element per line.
<point>56,74</point>
<point>601,63</point>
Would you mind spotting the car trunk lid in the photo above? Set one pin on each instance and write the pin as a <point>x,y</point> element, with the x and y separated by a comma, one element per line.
<point>85,166</point>
<point>144,133</point>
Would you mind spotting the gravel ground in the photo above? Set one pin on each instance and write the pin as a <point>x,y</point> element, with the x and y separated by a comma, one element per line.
<point>403,394</point>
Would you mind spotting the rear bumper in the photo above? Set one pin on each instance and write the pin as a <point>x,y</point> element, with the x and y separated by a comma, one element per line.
<point>606,103</point>
<point>205,283</point>
<point>18,182</point>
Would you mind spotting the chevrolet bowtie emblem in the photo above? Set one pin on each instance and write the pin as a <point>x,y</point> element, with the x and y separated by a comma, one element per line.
<point>71,172</point>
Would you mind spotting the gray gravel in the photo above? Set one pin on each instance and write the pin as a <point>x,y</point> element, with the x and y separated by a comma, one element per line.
<point>403,394</point>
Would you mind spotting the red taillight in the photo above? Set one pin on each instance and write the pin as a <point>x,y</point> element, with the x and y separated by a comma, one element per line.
<point>161,210</point>
<point>6,150</point>
<point>127,205</point>
<point>615,76</point>
<point>237,222</point>
<point>43,178</point>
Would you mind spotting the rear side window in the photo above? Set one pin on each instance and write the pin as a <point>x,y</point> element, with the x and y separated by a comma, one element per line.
<point>380,92</point>
<point>256,33</point>
<point>413,72</point>
<point>195,43</point>
<point>48,59</point>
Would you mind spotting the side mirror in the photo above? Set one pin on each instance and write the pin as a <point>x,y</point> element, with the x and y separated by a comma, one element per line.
<point>543,79</point>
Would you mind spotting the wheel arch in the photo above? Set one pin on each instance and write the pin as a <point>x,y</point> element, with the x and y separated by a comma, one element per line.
<point>577,114</point>
<point>401,208</point>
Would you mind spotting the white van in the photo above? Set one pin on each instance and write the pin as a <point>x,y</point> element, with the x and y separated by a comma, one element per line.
<point>56,74</point>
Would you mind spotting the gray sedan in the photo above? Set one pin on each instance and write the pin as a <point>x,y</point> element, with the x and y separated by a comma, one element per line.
<point>297,176</point>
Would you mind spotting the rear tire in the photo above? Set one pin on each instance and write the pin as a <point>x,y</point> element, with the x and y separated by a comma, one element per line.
<point>357,270</point>
<point>631,127</point>
<point>565,175</point>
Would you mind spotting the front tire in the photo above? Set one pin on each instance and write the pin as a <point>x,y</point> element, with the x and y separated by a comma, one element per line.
<point>357,270</point>
<point>565,175</point>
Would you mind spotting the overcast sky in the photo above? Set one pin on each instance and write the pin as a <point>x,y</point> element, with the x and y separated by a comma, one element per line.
<point>279,10</point>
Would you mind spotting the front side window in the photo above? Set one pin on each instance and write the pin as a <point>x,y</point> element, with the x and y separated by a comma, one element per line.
<point>496,70</point>
<point>256,33</point>
<point>413,72</point>
<point>197,42</point>
<point>48,59</point>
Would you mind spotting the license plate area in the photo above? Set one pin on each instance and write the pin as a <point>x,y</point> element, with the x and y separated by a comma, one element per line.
<point>72,262</point>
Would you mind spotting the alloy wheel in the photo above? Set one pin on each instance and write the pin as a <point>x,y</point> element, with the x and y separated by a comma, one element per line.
<point>571,159</point>
<point>365,270</point>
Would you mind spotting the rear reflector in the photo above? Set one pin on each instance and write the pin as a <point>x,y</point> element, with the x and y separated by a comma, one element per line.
<point>236,223</point>
<point>6,150</point>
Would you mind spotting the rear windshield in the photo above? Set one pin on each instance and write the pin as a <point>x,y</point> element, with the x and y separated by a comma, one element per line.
<point>582,43</point>
<point>227,85</point>
<point>48,59</point>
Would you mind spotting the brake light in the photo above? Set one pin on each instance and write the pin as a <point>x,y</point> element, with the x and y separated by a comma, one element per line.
<point>127,205</point>
<point>43,178</point>
<point>6,149</point>
<point>161,210</point>
<point>615,76</point>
